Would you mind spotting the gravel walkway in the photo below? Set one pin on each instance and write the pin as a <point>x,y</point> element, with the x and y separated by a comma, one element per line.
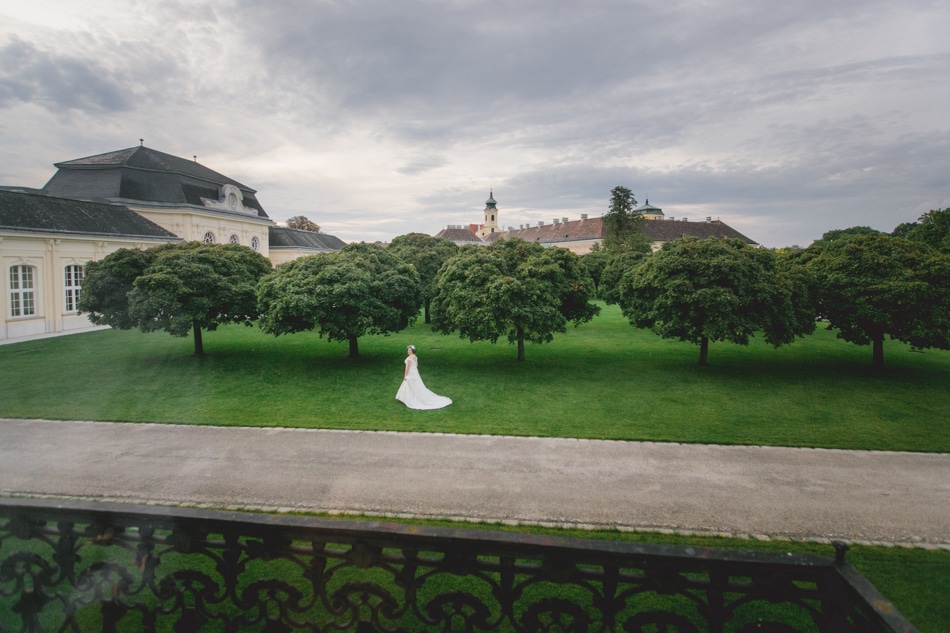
<point>812,494</point>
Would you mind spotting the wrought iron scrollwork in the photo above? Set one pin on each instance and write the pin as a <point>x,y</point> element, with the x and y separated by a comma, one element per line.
<point>79,566</point>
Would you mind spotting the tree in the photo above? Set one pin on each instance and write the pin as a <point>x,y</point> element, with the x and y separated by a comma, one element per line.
<point>182,288</point>
<point>512,288</point>
<point>837,235</point>
<point>932,229</point>
<point>617,266</point>
<point>622,224</point>
<point>106,285</point>
<point>595,262</point>
<point>303,223</point>
<point>876,285</point>
<point>795,275</point>
<point>362,289</point>
<point>192,287</point>
<point>711,290</point>
<point>427,254</point>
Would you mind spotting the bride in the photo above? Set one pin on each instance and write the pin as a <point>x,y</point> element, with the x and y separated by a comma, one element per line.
<point>413,392</point>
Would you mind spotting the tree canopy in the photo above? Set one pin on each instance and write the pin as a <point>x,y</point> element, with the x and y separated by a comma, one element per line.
<point>622,224</point>
<point>512,288</point>
<point>595,262</point>
<point>362,289</point>
<point>877,285</point>
<point>427,254</point>
<point>303,223</point>
<point>179,288</point>
<point>932,229</point>
<point>617,266</point>
<point>712,290</point>
<point>106,285</point>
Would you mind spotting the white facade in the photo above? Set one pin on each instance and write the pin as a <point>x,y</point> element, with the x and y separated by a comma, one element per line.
<point>39,289</point>
<point>194,224</point>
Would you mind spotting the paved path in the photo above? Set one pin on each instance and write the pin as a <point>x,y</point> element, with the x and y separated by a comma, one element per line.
<point>780,492</point>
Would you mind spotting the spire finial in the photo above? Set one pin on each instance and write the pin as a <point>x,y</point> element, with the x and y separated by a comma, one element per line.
<point>141,142</point>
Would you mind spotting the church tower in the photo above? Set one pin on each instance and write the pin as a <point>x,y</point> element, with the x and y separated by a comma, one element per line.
<point>491,216</point>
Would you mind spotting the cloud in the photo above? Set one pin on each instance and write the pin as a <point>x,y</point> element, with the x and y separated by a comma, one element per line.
<point>371,116</point>
<point>31,75</point>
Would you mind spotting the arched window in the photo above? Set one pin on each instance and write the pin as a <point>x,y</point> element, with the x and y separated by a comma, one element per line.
<point>22,291</point>
<point>234,239</point>
<point>255,243</point>
<point>73,286</point>
<point>208,238</point>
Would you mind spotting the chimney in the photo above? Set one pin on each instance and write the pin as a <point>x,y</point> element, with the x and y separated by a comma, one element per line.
<point>708,219</point>
<point>556,221</point>
<point>583,216</point>
<point>564,220</point>
<point>672,219</point>
<point>540,222</point>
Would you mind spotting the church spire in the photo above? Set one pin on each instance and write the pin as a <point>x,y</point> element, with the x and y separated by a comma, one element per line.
<point>491,216</point>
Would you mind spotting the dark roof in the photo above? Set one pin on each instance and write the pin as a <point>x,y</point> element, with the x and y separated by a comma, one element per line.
<point>669,230</point>
<point>463,236</point>
<point>144,174</point>
<point>282,237</point>
<point>32,212</point>
<point>656,230</point>
<point>590,229</point>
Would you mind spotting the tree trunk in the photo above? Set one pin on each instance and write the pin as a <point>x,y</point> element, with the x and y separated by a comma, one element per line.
<point>877,358</point>
<point>199,346</point>
<point>520,345</point>
<point>704,351</point>
<point>354,350</point>
<point>428,318</point>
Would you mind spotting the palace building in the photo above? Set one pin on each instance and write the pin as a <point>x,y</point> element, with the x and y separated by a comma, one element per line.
<point>131,198</point>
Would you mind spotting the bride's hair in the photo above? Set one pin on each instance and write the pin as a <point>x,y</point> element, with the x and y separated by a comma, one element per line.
<point>413,348</point>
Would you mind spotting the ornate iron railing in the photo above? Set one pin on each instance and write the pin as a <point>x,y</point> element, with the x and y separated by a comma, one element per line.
<point>83,566</point>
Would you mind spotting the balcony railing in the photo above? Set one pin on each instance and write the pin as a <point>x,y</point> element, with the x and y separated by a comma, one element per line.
<point>83,566</point>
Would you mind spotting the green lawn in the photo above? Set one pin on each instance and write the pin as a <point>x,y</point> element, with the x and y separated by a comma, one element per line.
<point>602,380</point>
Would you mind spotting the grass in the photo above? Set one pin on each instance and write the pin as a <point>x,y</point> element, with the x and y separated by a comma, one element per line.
<point>603,380</point>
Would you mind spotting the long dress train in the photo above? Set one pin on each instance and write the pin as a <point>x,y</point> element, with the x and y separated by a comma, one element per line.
<point>413,392</point>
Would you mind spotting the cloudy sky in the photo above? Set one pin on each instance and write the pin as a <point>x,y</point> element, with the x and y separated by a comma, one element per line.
<point>379,117</point>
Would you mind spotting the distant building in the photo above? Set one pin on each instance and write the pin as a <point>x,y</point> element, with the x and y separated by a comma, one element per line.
<point>581,235</point>
<point>462,235</point>
<point>287,244</point>
<point>130,198</point>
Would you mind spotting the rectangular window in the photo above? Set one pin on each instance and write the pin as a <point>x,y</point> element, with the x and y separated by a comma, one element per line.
<point>73,285</point>
<point>22,297</point>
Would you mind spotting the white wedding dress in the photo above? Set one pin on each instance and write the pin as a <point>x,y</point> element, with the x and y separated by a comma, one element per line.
<point>413,392</point>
